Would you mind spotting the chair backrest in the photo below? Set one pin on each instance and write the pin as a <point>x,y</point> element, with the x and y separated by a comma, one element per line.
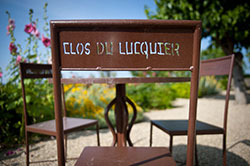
<point>113,45</point>
<point>218,67</point>
<point>32,71</point>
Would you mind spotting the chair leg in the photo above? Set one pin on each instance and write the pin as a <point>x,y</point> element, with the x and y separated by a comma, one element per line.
<point>171,144</point>
<point>224,150</point>
<point>196,153</point>
<point>151,132</point>
<point>65,146</point>
<point>27,147</point>
<point>97,133</point>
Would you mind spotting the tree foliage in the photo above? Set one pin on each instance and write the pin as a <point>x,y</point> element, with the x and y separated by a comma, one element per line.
<point>225,21</point>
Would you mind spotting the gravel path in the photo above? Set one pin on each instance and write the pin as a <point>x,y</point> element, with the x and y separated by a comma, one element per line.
<point>210,110</point>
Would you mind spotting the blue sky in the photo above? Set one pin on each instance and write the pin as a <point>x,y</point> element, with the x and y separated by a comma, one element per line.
<point>64,9</point>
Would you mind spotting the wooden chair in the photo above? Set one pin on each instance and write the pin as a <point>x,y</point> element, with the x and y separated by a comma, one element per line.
<point>35,71</point>
<point>218,66</point>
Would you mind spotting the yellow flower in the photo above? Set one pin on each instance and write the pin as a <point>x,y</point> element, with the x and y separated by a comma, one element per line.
<point>67,87</point>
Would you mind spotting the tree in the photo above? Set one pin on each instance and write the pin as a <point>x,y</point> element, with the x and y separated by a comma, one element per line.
<point>225,21</point>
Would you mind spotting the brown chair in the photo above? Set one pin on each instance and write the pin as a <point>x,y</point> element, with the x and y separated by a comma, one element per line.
<point>182,54</point>
<point>218,66</point>
<point>35,71</point>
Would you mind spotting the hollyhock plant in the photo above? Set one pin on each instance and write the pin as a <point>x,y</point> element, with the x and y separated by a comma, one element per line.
<point>8,29</point>
<point>31,51</point>
<point>1,74</point>
<point>11,26</point>
<point>12,48</point>
<point>11,22</point>
<point>46,41</point>
<point>29,28</point>
<point>18,59</point>
<point>36,33</point>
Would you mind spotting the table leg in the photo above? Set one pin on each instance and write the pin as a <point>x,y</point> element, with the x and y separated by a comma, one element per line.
<point>123,128</point>
<point>121,114</point>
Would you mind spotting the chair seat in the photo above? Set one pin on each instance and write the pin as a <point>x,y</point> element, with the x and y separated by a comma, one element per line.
<point>124,156</point>
<point>180,127</point>
<point>69,124</point>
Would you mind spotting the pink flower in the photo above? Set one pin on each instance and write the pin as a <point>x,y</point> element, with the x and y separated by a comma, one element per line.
<point>18,59</point>
<point>10,28</point>
<point>46,41</point>
<point>1,74</point>
<point>9,153</point>
<point>36,33</point>
<point>11,22</point>
<point>29,28</point>
<point>12,48</point>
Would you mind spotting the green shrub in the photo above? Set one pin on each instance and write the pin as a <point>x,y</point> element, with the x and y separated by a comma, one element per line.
<point>151,96</point>
<point>39,97</point>
<point>222,81</point>
<point>11,117</point>
<point>182,90</point>
<point>208,86</point>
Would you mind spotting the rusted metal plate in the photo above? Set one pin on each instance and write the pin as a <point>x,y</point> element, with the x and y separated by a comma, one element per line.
<point>218,66</point>
<point>124,156</point>
<point>126,45</point>
<point>32,70</point>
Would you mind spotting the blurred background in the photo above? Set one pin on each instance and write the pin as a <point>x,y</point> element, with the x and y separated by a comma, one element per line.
<point>25,37</point>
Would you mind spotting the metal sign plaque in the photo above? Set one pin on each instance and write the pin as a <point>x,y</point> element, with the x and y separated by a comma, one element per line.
<point>127,45</point>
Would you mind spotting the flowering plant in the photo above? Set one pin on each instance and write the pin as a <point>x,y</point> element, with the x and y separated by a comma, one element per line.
<point>1,74</point>
<point>30,53</point>
<point>39,92</point>
<point>82,102</point>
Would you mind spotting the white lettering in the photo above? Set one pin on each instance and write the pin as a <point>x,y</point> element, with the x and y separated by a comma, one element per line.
<point>167,48</point>
<point>131,48</point>
<point>98,50</point>
<point>77,48</point>
<point>160,50</point>
<point>71,50</point>
<point>150,48</point>
<point>136,43</point>
<point>87,50</point>
<point>120,49</point>
<point>64,48</point>
<point>177,48</point>
<point>124,48</point>
<point>146,50</point>
<point>111,48</point>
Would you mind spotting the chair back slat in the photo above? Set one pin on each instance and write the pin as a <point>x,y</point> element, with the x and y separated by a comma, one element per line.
<point>218,66</point>
<point>31,70</point>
